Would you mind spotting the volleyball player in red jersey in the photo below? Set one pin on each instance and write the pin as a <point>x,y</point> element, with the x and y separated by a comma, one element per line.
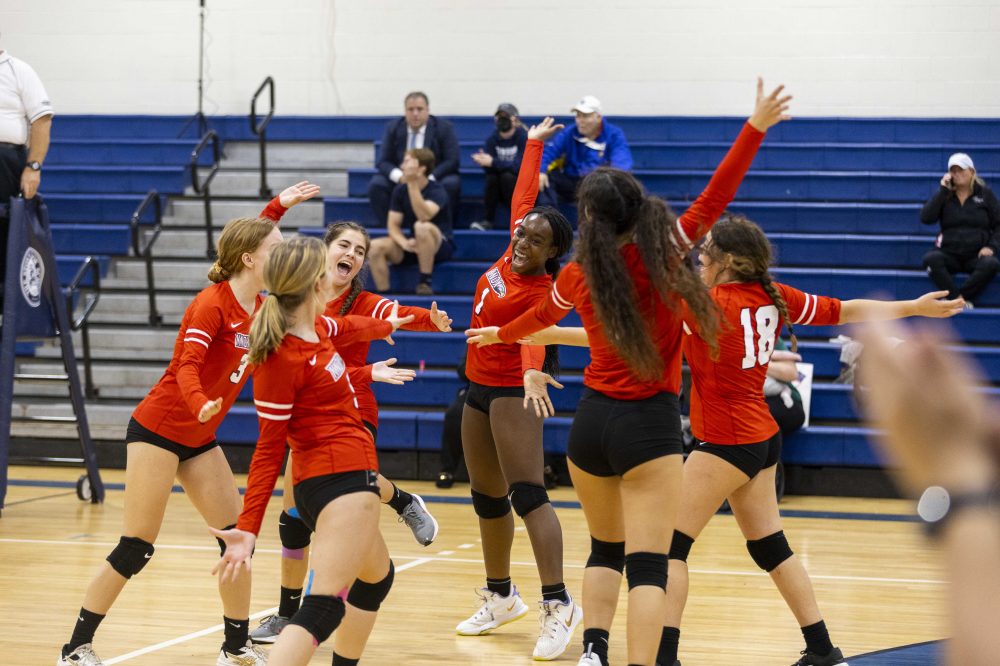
<point>739,441</point>
<point>348,244</point>
<point>304,396</point>
<point>628,282</point>
<point>172,432</point>
<point>501,440</point>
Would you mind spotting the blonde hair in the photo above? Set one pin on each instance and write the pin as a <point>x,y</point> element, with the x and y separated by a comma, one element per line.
<point>289,276</point>
<point>239,236</point>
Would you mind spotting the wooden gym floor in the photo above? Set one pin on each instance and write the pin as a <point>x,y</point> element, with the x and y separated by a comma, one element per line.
<point>878,583</point>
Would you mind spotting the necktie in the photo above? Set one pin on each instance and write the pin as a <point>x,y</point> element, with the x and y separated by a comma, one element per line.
<point>412,143</point>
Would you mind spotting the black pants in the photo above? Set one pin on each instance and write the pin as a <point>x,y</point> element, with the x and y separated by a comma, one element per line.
<point>942,266</point>
<point>451,435</point>
<point>561,189</point>
<point>380,196</point>
<point>12,161</point>
<point>499,189</point>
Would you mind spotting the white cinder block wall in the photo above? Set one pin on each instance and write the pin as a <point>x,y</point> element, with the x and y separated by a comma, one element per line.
<point>685,57</point>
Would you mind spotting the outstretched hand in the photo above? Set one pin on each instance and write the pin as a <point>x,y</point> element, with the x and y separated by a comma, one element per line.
<point>482,337</point>
<point>297,193</point>
<point>384,372</point>
<point>209,409</point>
<point>545,130</point>
<point>396,321</point>
<point>239,551</point>
<point>440,318</point>
<point>933,304</point>
<point>536,392</point>
<point>769,110</point>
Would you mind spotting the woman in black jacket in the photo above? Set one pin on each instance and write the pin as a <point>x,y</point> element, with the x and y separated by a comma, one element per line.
<point>970,231</point>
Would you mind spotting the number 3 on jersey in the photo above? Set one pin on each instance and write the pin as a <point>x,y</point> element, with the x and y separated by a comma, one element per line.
<point>764,322</point>
<point>238,373</point>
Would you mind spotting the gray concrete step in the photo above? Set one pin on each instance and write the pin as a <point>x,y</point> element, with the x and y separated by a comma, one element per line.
<point>119,344</point>
<point>305,155</point>
<point>191,212</point>
<point>106,422</point>
<point>113,380</point>
<point>246,182</point>
<point>134,308</point>
<point>168,274</point>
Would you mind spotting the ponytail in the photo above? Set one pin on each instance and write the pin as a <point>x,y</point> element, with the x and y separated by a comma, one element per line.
<point>267,330</point>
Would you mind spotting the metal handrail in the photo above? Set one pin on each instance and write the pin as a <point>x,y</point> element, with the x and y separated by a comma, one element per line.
<point>202,188</point>
<point>80,323</point>
<point>260,129</point>
<point>146,253</point>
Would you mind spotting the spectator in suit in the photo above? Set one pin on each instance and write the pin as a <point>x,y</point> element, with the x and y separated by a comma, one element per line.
<point>500,158</point>
<point>578,150</point>
<point>969,241</point>
<point>416,129</point>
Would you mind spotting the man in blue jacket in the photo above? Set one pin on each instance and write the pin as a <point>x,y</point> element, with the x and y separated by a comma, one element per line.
<point>416,129</point>
<point>578,150</point>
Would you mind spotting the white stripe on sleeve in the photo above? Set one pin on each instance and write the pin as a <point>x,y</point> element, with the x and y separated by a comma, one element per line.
<point>198,340</point>
<point>272,417</point>
<point>198,331</point>
<point>560,302</point>
<point>272,405</point>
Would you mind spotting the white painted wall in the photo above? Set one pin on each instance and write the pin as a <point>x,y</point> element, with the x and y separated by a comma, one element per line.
<point>685,57</point>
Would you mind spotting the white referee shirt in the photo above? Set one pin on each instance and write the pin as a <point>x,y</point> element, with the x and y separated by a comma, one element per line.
<point>23,100</point>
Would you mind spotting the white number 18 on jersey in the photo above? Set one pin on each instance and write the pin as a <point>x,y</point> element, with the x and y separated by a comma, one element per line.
<point>765,322</point>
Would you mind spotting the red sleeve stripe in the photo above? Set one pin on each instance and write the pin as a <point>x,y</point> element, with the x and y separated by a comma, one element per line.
<point>198,340</point>
<point>808,310</point>
<point>560,302</point>
<point>382,309</point>
<point>198,331</point>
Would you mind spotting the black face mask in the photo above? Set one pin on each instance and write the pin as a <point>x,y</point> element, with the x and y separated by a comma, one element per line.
<point>504,123</point>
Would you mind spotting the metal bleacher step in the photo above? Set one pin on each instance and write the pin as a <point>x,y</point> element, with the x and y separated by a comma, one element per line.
<point>246,182</point>
<point>191,212</point>
<point>305,155</point>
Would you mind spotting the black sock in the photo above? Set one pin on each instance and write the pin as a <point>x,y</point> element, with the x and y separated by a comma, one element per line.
<point>499,586</point>
<point>669,640</point>
<point>83,632</point>
<point>557,591</point>
<point>596,640</point>
<point>817,639</point>
<point>344,661</point>
<point>425,278</point>
<point>290,601</point>
<point>400,499</point>
<point>237,633</point>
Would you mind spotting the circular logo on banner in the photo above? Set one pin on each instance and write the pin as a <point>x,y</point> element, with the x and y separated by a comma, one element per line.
<point>32,274</point>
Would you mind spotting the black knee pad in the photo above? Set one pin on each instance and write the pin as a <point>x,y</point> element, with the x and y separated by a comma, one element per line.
<point>526,497</point>
<point>770,551</point>
<point>608,554</point>
<point>320,614</point>
<point>222,544</point>
<point>369,596</point>
<point>130,556</point>
<point>293,532</point>
<point>646,569</point>
<point>680,546</point>
<point>490,507</point>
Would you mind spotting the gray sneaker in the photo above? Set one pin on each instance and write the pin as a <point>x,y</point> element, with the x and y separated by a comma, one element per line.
<point>268,630</point>
<point>420,521</point>
<point>82,656</point>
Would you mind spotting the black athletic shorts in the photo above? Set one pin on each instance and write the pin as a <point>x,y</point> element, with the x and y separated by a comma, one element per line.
<point>480,396</point>
<point>313,494</point>
<point>748,458</point>
<point>136,432</point>
<point>372,429</point>
<point>610,436</point>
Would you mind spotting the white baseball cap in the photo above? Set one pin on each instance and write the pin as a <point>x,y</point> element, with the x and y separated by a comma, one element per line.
<point>961,160</point>
<point>588,104</point>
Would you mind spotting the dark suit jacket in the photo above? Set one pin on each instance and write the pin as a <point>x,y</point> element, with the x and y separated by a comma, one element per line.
<point>439,137</point>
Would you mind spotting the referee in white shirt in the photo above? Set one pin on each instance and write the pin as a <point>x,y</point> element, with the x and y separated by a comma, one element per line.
<point>25,121</point>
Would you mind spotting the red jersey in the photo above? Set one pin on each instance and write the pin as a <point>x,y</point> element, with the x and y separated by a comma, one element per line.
<point>607,372</point>
<point>501,294</point>
<point>355,353</point>
<point>209,362</point>
<point>304,397</point>
<point>727,396</point>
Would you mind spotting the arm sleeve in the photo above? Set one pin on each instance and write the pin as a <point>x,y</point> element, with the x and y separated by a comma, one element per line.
<point>396,202</point>
<point>353,328</point>
<point>447,161</point>
<point>490,148</point>
<point>526,189</point>
<point>809,310</point>
<point>273,211</point>
<point>706,209</point>
<point>554,149</point>
<point>620,155</point>
<point>274,397</point>
<point>931,212</point>
<point>387,152</point>
<point>532,357</point>
<point>549,311</point>
<point>202,327</point>
<point>368,304</point>
<point>361,376</point>
<point>33,96</point>
<point>993,212</point>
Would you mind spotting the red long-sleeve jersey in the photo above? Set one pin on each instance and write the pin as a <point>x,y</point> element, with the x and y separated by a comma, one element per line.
<point>501,294</point>
<point>727,396</point>
<point>607,372</point>
<point>304,396</point>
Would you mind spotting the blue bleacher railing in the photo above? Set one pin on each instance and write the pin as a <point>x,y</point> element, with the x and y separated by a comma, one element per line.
<point>204,188</point>
<point>145,251</point>
<point>260,130</point>
<point>73,290</point>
